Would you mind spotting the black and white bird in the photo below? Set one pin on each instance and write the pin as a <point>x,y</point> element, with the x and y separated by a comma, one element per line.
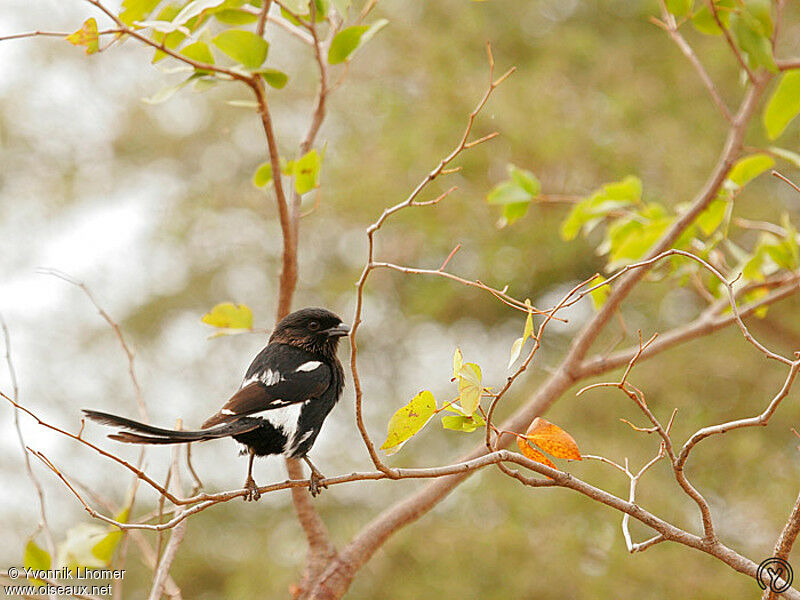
<point>287,392</point>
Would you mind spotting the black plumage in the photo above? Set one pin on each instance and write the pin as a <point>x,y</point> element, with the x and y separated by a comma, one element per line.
<point>288,391</point>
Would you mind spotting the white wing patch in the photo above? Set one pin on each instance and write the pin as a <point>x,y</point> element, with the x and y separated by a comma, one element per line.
<point>226,411</point>
<point>271,377</point>
<point>309,366</point>
<point>284,418</point>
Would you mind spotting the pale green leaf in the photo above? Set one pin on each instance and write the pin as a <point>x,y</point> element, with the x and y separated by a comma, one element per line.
<point>408,421</point>
<point>342,6</point>
<point>783,105</point>
<point>263,174</point>
<point>36,558</point>
<point>458,361</point>
<point>76,550</point>
<point>787,155</point>
<point>469,387</point>
<point>516,350</point>
<point>462,423</point>
<point>194,8</point>
<point>167,92</point>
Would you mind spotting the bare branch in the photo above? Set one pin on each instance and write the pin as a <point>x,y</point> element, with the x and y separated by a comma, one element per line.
<point>43,523</point>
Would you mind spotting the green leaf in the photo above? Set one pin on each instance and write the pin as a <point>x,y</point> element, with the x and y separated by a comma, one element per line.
<point>750,167</point>
<point>462,423</point>
<point>408,420</point>
<point>525,180</point>
<point>508,192</point>
<point>86,36</point>
<point>230,316</point>
<point>680,8</point>
<point>589,211</point>
<point>753,41</point>
<point>263,174</point>
<point>198,51</point>
<point>36,558</point>
<point>348,40</point>
<point>704,21</point>
<point>136,10</point>
<point>600,295</point>
<point>306,172</point>
<point>712,217</point>
<point>275,78</point>
<point>232,16</point>
<point>245,47</point>
<point>469,387</point>
<point>512,213</point>
<point>783,105</point>
<point>636,244</point>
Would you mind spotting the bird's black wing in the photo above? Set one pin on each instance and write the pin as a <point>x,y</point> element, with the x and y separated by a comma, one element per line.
<point>280,375</point>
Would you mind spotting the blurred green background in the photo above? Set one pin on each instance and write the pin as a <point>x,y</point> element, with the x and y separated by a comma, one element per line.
<point>153,208</point>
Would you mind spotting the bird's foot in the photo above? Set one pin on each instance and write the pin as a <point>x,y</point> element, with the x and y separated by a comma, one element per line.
<point>316,482</point>
<point>252,490</point>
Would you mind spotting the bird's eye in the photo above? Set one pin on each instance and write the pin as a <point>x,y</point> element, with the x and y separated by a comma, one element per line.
<point>313,326</point>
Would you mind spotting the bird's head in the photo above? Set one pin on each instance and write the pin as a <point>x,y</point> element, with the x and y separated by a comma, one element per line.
<point>313,329</point>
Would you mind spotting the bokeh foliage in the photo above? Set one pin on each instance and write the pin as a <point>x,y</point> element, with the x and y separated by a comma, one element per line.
<point>600,94</point>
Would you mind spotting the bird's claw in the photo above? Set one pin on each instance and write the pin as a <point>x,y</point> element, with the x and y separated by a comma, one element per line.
<point>252,490</point>
<point>316,483</point>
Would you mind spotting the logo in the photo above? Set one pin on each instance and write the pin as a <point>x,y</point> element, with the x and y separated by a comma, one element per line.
<point>775,574</point>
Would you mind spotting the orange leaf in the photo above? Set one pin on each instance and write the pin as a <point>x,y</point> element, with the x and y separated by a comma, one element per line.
<point>533,454</point>
<point>552,439</point>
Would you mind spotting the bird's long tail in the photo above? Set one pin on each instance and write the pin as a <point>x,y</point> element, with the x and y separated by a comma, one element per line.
<point>147,434</point>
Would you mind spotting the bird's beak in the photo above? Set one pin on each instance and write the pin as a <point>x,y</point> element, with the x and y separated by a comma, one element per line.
<point>340,330</point>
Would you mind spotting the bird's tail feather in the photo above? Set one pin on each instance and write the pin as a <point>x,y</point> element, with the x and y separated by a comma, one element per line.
<point>147,434</point>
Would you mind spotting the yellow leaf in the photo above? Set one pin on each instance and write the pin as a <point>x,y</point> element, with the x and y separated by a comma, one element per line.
<point>469,387</point>
<point>599,295</point>
<point>528,321</point>
<point>86,36</point>
<point>552,439</point>
<point>230,316</point>
<point>533,454</point>
<point>407,421</point>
